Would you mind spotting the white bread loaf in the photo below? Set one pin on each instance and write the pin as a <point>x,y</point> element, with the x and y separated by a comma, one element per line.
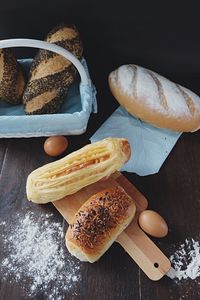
<point>98,223</point>
<point>155,99</point>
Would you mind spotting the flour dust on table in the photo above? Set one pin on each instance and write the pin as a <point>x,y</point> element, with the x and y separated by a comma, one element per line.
<point>185,270</point>
<point>34,255</point>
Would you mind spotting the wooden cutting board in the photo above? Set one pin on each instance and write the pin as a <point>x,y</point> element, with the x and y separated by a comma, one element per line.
<point>134,241</point>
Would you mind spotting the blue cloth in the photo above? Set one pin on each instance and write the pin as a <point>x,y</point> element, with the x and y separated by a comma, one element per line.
<point>72,118</point>
<point>150,146</point>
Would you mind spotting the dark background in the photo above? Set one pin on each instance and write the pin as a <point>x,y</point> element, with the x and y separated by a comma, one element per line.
<point>163,36</point>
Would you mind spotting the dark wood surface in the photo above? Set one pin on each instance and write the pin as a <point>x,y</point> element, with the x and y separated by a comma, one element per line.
<point>162,37</point>
<point>174,192</point>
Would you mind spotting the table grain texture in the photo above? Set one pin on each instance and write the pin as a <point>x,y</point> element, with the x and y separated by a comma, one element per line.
<point>174,192</point>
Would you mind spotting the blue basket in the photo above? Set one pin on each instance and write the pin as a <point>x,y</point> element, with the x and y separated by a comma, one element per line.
<point>73,117</point>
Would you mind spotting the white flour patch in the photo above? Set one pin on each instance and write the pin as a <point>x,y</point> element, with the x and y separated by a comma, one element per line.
<point>186,261</point>
<point>35,256</point>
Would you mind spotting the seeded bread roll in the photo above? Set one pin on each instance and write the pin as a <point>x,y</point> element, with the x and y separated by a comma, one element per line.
<point>12,79</point>
<point>98,223</point>
<point>51,74</point>
<point>154,99</point>
<point>81,168</point>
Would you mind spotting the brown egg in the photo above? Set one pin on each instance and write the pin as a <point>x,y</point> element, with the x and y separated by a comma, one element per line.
<point>152,223</point>
<point>55,145</point>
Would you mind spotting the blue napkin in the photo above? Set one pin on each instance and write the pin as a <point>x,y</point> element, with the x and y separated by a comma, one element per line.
<point>150,146</point>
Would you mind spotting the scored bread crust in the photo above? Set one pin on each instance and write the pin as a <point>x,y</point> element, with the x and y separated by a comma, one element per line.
<point>155,99</point>
<point>68,175</point>
<point>98,223</point>
<point>51,74</point>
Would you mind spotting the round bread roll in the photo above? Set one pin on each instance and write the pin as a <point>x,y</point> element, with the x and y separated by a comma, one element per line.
<point>98,223</point>
<point>155,99</point>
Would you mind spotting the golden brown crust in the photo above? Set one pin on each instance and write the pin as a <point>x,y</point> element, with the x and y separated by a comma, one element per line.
<point>126,149</point>
<point>171,106</point>
<point>99,219</point>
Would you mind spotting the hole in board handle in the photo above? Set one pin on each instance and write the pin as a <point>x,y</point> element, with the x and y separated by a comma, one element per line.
<point>156,265</point>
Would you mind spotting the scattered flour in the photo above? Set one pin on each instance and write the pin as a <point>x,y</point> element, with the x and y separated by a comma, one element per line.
<point>35,256</point>
<point>186,261</point>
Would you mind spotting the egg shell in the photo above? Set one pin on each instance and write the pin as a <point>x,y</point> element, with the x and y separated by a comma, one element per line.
<point>55,145</point>
<point>152,223</point>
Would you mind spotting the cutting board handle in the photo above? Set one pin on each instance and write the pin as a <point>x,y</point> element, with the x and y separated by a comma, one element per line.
<point>144,252</point>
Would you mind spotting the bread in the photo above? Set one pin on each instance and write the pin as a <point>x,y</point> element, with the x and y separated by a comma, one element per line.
<point>77,170</point>
<point>98,223</point>
<point>51,74</point>
<point>154,99</point>
<point>12,79</point>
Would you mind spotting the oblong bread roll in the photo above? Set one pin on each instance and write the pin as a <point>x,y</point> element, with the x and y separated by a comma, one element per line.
<point>155,99</point>
<point>98,223</point>
<point>51,74</point>
<point>77,170</point>
<point>12,78</point>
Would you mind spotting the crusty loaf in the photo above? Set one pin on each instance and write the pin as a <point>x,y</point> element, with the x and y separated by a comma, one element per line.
<point>12,79</point>
<point>51,74</point>
<point>77,170</point>
<point>154,99</point>
<point>98,223</point>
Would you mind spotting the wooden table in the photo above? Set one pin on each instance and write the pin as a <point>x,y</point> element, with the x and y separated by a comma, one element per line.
<point>174,192</point>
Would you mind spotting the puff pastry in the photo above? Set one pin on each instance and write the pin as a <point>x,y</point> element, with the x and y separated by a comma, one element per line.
<point>77,170</point>
<point>98,223</point>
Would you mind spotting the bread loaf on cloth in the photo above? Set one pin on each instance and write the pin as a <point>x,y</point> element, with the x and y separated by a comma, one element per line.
<point>51,74</point>
<point>77,170</point>
<point>155,99</point>
<point>98,223</point>
<point>12,79</point>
